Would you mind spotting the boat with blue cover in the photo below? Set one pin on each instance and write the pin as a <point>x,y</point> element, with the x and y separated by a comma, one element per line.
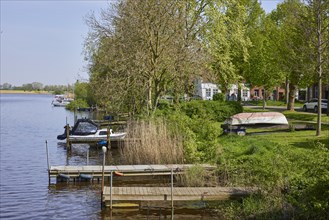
<point>87,130</point>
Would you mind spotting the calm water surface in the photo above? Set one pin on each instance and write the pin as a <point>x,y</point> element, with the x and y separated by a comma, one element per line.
<point>27,121</point>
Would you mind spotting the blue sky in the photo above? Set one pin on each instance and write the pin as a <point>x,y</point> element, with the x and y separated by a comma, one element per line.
<point>42,41</point>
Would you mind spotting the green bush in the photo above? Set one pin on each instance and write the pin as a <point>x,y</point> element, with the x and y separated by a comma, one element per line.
<point>78,103</point>
<point>219,97</point>
<point>199,123</point>
<point>209,110</point>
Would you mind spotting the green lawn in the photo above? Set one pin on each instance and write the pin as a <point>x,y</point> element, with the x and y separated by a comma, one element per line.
<point>291,169</point>
<point>304,116</point>
<point>272,103</point>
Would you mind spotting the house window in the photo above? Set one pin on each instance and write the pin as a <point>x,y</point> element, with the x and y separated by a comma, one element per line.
<point>208,92</point>
<point>214,91</point>
<point>256,92</point>
<point>245,93</point>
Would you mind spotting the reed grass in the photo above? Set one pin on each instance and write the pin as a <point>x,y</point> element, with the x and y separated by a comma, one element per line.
<point>197,176</point>
<point>151,142</point>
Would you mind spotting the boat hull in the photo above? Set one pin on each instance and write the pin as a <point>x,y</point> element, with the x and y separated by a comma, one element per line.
<point>254,118</point>
<point>238,123</point>
<point>96,138</point>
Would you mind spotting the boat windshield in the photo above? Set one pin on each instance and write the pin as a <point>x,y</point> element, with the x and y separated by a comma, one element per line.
<point>85,127</point>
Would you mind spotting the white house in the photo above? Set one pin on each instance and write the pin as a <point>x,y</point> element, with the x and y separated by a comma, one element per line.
<point>206,91</point>
<point>233,91</point>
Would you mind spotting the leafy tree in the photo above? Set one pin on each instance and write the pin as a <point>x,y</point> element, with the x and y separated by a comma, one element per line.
<point>27,86</point>
<point>226,41</point>
<point>6,86</point>
<point>262,68</point>
<point>37,86</point>
<point>318,31</point>
<point>82,92</point>
<point>147,49</point>
<point>293,47</point>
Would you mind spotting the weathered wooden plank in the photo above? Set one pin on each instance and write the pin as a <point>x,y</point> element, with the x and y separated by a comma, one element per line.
<point>180,193</point>
<point>128,167</point>
<point>126,170</point>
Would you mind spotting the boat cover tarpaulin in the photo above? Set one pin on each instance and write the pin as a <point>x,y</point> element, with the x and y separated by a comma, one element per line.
<point>257,118</point>
<point>84,127</point>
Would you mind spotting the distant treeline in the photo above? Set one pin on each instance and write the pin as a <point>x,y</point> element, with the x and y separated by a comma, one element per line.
<point>36,86</point>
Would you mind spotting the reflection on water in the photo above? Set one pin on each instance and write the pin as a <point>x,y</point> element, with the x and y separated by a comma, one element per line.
<point>27,121</point>
<point>83,154</point>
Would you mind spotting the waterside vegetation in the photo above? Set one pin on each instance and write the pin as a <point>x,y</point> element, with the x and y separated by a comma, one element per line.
<point>291,168</point>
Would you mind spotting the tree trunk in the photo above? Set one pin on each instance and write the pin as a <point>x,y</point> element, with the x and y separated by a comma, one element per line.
<point>239,93</point>
<point>286,92</point>
<point>328,98</point>
<point>149,96</point>
<point>291,98</point>
<point>264,99</point>
<point>319,69</point>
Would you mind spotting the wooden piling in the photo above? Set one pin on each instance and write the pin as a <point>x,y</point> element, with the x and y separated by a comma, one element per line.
<point>111,186</point>
<point>68,144</point>
<point>172,188</point>
<point>108,138</point>
<point>48,164</point>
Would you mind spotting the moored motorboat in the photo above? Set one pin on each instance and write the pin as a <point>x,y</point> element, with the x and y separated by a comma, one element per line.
<point>86,130</point>
<point>61,101</point>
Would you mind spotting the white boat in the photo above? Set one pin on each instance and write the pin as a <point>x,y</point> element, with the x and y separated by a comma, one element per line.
<point>239,122</point>
<point>61,101</point>
<point>85,130</point>
<point>100,135</point>
<point>254,118</point>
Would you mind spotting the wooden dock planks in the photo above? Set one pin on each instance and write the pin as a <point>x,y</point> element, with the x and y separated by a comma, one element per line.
<point>129,170</point>
<point>138,194</point>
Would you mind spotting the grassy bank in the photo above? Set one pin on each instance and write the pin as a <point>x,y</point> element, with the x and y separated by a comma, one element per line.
<point>290,168</point>
<point>23,92</point>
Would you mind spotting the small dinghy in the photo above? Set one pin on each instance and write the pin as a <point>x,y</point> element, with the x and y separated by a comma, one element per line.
<point>238,123</point>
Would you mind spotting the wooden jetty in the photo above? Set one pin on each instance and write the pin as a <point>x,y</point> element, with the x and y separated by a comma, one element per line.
<point>73,173</point>
<point>151,195</point>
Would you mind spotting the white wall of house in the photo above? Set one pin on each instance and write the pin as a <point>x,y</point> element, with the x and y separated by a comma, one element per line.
<point>206,91</point>
<point>233,90</point>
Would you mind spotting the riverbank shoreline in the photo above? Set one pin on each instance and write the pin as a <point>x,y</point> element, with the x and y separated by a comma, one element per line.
<point>24,92</point>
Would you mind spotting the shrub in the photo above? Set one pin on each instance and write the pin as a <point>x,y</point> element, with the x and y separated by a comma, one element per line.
<point>216,111</point>
<point>75,104</point>
<point>219,97</point>
<point>199,124</point>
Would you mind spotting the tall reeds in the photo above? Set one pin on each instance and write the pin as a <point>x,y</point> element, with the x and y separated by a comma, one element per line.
<point>197,176</point>
<point>151,142</point>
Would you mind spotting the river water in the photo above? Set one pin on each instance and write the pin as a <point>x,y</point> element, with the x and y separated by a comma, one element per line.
<point>27,122</point>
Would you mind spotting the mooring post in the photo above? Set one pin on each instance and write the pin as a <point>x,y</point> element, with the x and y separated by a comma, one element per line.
<point>67,129</point>
<point>111,185</point>
<point>172,188</point>
<point>88,155</point>
<point>75,116</point>
<point>48,164</point>
<point>104,152</point>
<point>108,138</point>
